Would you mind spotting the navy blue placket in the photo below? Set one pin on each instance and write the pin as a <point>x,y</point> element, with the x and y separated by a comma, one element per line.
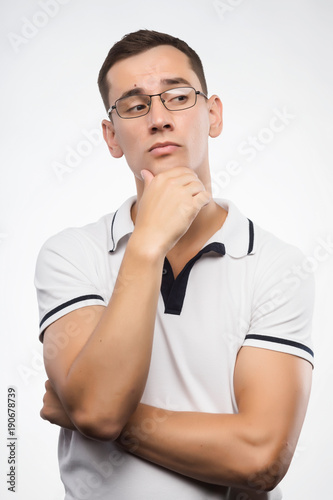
<point>174,290</point>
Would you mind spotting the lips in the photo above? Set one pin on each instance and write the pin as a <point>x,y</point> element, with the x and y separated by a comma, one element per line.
<point>163,148</point>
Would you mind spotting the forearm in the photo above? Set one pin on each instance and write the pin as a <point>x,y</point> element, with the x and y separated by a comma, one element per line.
<point>214,448</point>
<point>107,378</point>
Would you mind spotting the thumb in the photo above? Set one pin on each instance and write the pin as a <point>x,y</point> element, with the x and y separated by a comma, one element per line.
<point>147,177</point>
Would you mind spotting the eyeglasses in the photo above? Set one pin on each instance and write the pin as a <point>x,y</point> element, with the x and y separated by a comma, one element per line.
<point>176,99</point>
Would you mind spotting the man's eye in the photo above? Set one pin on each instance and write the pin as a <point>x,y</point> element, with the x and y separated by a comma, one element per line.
<point>137,107</point>
<point>177,99</point>
<point>180,98</point>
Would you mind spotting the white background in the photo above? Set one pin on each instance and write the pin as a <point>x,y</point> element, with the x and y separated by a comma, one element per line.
<point>260,56</point>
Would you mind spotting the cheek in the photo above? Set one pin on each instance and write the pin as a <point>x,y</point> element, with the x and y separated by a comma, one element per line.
<point>197,125</point>
<point>131,145</point>
<point>128,141</point>
<point>199,137</point>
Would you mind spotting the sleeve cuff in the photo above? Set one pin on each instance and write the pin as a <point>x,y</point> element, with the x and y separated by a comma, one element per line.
<point>67,307</point>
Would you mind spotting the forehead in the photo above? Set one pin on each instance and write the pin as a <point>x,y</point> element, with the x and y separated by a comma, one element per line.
<point>148,69</point>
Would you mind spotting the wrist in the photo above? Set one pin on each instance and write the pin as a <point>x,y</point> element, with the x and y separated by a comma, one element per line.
<point>145,247</point>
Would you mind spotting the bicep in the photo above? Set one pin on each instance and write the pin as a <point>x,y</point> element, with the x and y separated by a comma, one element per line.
<point>64,339</point>
<point>272,391</point>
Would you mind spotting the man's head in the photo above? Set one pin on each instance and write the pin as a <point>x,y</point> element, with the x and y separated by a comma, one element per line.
<point>138,42</point>
<point>148,130</point>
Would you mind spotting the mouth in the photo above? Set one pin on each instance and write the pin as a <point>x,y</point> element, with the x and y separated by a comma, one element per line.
<point>163,148</point>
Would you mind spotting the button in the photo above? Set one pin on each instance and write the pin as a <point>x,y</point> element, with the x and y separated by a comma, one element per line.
<point>164,271</point>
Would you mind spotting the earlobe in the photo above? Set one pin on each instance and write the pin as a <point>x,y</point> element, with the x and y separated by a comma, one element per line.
<point>110,139</point>
<point>215,116</point>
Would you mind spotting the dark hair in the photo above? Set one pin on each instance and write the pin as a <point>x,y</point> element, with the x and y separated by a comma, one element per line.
<point>138,42</point>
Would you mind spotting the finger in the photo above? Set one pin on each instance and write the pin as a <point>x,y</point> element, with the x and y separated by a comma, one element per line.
<point>147,177</point>
<point>177,171</point>
<point>185,179</point>
<point>194,187</point>
<point>201,199</point>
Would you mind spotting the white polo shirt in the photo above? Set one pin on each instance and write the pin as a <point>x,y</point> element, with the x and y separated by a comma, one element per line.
<point>240,290</point>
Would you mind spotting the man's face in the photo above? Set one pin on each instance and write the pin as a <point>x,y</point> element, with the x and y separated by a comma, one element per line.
<point>155,71</point>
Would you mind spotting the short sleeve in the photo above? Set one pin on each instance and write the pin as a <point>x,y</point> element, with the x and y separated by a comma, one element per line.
<point>63,278</point>
<point>283,300</point>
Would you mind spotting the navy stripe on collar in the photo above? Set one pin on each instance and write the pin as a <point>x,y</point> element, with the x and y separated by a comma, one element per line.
<point>251,237</point>
<point>112,237</point>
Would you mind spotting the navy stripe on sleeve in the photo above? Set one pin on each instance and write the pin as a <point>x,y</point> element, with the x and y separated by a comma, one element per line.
<point>277,340</point>
<point>69,303</point>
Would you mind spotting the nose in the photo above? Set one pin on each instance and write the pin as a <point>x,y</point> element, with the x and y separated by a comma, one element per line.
<point>159,117</point>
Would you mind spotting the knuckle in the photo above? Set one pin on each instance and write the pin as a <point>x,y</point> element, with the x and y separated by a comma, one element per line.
<point>172,181</point>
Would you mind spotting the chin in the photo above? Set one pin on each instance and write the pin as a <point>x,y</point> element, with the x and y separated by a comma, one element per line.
<point>165,163</point>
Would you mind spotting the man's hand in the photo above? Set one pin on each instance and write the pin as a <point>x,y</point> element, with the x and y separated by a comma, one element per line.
<point>170,202</point>
<point>53,411</point>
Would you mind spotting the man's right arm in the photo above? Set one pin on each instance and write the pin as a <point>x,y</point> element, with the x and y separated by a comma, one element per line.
<point>100,373</point>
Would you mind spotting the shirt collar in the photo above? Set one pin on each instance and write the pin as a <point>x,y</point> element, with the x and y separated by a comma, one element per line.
<point>121,223</point>
<point>236,234</point>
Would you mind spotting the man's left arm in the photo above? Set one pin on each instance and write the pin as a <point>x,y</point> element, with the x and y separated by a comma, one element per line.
<point>250,449</point>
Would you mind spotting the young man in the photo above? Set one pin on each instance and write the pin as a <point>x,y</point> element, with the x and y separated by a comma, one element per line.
<point>176,340</point>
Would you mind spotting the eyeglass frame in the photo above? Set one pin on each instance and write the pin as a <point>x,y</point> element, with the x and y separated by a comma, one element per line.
<point>197,92</point>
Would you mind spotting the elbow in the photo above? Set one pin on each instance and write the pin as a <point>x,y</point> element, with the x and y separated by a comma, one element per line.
<point>267,469</point>
<point>97,427</point>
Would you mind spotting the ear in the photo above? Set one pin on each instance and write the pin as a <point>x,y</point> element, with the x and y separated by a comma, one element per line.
<point>110,139</point>
<point>215,116</point>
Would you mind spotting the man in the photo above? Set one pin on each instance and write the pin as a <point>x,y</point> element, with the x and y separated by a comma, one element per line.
<point>176,339</point>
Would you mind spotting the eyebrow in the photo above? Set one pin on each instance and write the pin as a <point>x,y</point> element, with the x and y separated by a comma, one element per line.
<point>165,81</point>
